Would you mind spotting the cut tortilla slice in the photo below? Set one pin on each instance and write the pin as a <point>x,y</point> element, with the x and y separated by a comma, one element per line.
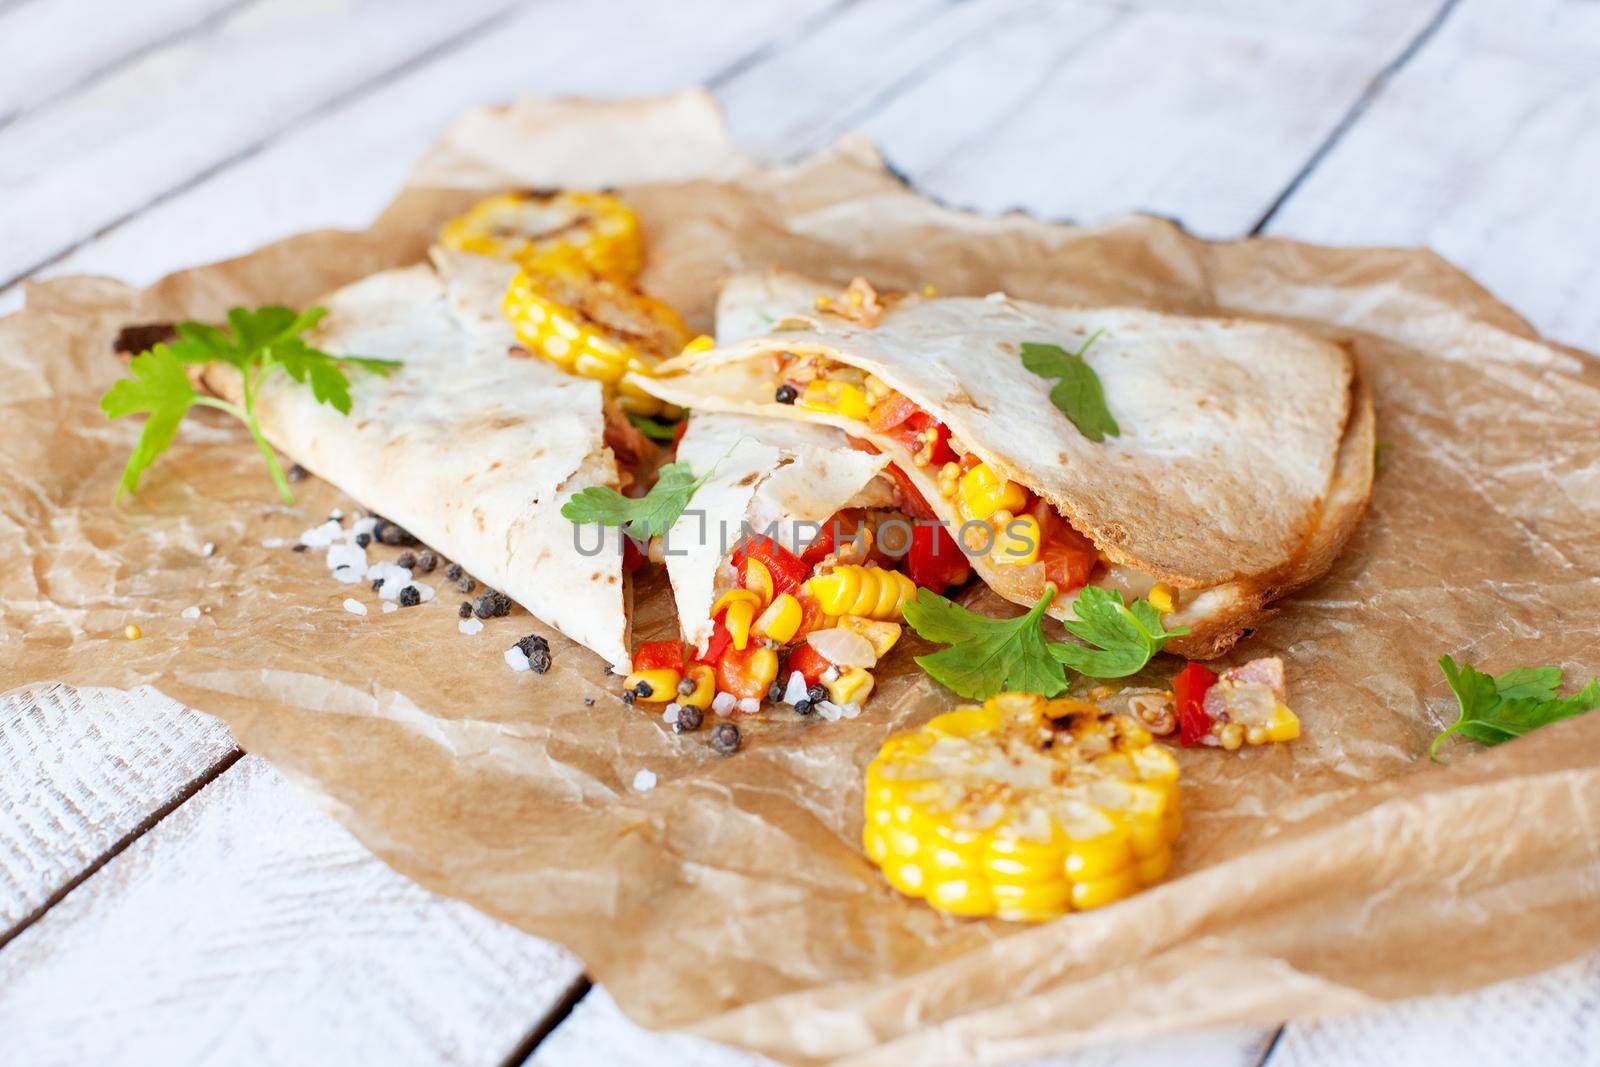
<point>1243,463</point>
<point>470,448</point>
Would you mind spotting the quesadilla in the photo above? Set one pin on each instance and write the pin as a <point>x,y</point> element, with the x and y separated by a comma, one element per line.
<point>471,445</point>
<point>1242,463</point>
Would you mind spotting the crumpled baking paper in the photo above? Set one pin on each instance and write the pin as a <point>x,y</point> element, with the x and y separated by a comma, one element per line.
<point>732,900</point>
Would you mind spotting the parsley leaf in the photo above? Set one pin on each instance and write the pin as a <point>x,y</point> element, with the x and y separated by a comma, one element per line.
<point>159,388</point>
<point>256,344</point>
<point>1077,393</point>
<point>1127,635</point>
<point>1497,708</point>
<point>655,429</point>
<point>642,517</point>
<point>986,656</point>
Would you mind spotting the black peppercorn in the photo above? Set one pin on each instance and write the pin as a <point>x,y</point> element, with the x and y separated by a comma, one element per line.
<point>466,585</point>
<point>427,561</point>
<point>406,559</point>
<point>301,548</point>
<point>483,607</point>
<point>775,693</point>
<point>787,394</point>
<point>376,582</point>
<point>805,707</point>
<point>725,738</point>
<point>363,539</point>
<point>687,686</point>
<point>453,572</point>
<point>816,693</point>
<point>465,610</point>
<point>689,719</point>
<point>410,597</point>
<point>296,473</point>
<point>537,649</point>
<point>627,697</point>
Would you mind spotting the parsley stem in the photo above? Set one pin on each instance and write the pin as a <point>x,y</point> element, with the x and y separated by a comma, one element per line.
<point>249,420</point>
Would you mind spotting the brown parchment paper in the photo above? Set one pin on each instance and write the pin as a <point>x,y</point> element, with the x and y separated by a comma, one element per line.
<point>732,900</point>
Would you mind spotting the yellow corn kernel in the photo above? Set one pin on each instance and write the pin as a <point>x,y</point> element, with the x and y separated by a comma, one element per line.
<point>866,592</point>
<point>948,821</point>
<point>851,687</point>
<point>705,686</point>
<point>734,596</point>
<point>701,343</point>
<point>132,632</point>
<point>540,230</point>
<point>1017,543</point>
<point>882,635</point>
<point>764,667</point>
<point>758,579</point>
<point>638,405</point>
<point>983,492</point>
<point>835,398</point>
<point>660,685</point>
<point>741,613</point>
<point>1161,598</point>
<point>781,620</point>
<point>1284,725</point>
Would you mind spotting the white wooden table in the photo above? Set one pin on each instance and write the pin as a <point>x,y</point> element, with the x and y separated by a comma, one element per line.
<point>165,899</point>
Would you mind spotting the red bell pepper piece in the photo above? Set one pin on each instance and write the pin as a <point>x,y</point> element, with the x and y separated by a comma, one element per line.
<point>632,558</point>
<point>808,661</point>
<point>720,641</point>
<point>912,502</point>
<point>788,570</point>
<point>659,655</point>
<point>935,562</point>
<point>1188,694</point>
<point>891,412</point>
<point>821,545</point>
<point>909,434</point>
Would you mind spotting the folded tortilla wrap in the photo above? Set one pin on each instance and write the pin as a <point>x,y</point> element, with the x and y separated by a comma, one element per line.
<point>471,449</point>
<point>1243,464</point>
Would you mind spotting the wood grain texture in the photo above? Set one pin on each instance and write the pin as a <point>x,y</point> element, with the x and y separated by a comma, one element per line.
<point>48,49</point>
<point>79,771</point>
<point>247,927</point>
<point>1551,1019</point>
<point>1086,111</point>
<point>597,1034</point>
<point>1486,148</point>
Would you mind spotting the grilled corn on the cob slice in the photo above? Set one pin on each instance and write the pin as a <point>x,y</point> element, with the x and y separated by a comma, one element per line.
<point>870,592</point>
<point>1023,808</point>
<point>540,230</point>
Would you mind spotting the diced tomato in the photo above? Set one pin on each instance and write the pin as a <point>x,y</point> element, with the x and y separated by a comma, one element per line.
<point>909,434</point>
<point>821,545</point>
<point>1188,693</point>
<point>891,411</point>
<point>911,501</point>
<point>935,562</point>
<point>788,571</point>
<point>808,661</point>
<point>720,641</point>
<point>811,616</point>
<point>659,655</point>
<point>736,674</point>
<point>1069,558</point>
<point>677,435</point>
<point>632,558</point>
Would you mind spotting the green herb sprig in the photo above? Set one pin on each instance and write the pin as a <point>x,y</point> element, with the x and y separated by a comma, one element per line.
<point>258,344</point>
<point>1121,638</point>
<point>1499,707</point>
<point>642,517</point>
<point>1077,392</point>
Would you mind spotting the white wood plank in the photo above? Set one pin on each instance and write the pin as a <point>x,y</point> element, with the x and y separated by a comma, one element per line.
<point>1551,1019</point>
<point>247,927</point>
<point>96,156</point>
<point>1486,148</point>
<point>82,769</point>
<point>597,1034</point>
<point>1087,111</point>
<point>340,169</point>
<point>47,48</point>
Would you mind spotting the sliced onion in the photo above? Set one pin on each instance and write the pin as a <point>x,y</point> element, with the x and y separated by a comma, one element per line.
<point>842,648</point>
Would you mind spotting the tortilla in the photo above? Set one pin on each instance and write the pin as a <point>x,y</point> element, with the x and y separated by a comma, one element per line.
<point>1234,434</point>
<point>469,448</point>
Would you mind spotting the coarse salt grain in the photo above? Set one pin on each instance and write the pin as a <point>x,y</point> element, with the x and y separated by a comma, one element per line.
<point>669,714</point>
<point>354,607</point>
<point>850,711</point>
<point>722,703</point>
<point>191,613</point>
<point>749,705</point>
<point>644,781</point>
<point>797,688</point>
<point>828,710</point>
<point>347,556</point>
<point>996,297</point>
<point>470,627</point>
<point>336,514</point>
<point>208,548</point>
<point>322,536</point>
<point>516,659</point>
<point>389,605</point>
<point>424,590</point>
<point>347,575</point>
<point>274,542</point>
<point>362,526</point>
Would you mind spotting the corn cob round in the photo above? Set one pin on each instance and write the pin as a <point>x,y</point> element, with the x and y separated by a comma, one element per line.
<point>541,230</point>
<point>868,592</point>
<point>1023,808</point>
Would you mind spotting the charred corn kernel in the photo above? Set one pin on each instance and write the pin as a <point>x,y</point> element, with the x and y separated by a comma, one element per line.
<point>781,620</point>
<point>1284,725</point>
<point>1017,543</point>
<point>758,579</point>
<point>700,343</point>
<point>1161,597</point>
<point>867,592</point>
<point>539,230</point>
<point>658,686</point>
<point>132,632</point>
<point>835,398</point>
<point>982,492</point>
<point>734,596</point>
<point>851,687</point>
<point>591,325</point>
<point>882,635</point>
<point>704,677</point>
<point>1022,808</point>
<point>764,667</point>
<point>741,614</point>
